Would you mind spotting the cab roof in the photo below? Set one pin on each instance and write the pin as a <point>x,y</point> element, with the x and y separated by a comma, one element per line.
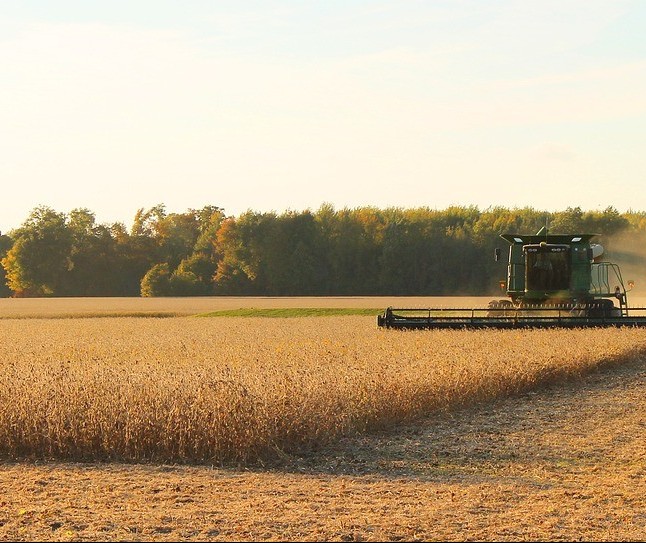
<point>560,239</point>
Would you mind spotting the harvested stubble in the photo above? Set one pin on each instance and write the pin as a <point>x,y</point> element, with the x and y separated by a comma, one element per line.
<point>247,390</point>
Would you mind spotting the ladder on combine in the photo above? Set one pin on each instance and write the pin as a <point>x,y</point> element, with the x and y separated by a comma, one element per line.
<point>600,284</point>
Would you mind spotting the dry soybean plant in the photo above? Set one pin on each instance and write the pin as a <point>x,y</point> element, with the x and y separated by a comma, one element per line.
<point>243,390</point>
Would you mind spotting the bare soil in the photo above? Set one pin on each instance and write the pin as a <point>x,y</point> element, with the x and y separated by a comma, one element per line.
<point>564,463</point>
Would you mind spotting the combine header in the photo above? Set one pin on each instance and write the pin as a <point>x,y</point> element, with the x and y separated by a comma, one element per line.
<point>552,281</point>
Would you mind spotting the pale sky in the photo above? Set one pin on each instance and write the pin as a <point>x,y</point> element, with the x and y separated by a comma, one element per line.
<point>286,105</point>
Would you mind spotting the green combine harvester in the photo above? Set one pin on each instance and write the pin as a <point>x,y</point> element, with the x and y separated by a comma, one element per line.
<point>552,281</point>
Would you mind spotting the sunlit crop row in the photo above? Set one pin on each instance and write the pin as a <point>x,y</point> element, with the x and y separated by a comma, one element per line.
<point>250,389</point>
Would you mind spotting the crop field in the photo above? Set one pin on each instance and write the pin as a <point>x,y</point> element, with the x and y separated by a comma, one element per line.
<point>186,306</point>
<point>119,425</point>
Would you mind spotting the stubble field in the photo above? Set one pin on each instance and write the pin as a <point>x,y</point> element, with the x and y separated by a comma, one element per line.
<point>317,428</point>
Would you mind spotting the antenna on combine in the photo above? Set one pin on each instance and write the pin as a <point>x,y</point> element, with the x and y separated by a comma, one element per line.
<point>543,229</point>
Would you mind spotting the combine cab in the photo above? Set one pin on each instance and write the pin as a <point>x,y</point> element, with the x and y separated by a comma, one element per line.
<point>552,281</point>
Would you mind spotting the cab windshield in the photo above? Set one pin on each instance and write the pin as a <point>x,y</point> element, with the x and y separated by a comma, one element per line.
<point>547,267</point>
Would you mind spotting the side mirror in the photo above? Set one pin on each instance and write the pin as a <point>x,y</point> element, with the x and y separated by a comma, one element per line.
<point>496,254</point>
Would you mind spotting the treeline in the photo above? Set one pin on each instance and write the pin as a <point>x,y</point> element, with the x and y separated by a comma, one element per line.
<point>361,251</point>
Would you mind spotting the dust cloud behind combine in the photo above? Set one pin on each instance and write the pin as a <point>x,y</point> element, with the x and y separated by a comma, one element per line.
<point>628,251</point>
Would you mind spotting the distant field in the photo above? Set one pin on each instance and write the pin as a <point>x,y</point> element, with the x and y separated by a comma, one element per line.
<point>169,307</point>
<point>292,312</point>
<point>184,306</point>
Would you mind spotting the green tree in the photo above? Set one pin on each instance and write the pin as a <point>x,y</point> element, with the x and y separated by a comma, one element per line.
<point>5,244</point>
<point>236,272</point>
<point>144,223</point>
<point>187,242</point>
<point>199,253</point>
<point>37,262</point>
<point>186,283</point>
<point>156,282</point>
<point>611,222</point>
<point>570,221</point>
<point>350,246</point>
<point>94,265</point>
<point>133,257</point>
